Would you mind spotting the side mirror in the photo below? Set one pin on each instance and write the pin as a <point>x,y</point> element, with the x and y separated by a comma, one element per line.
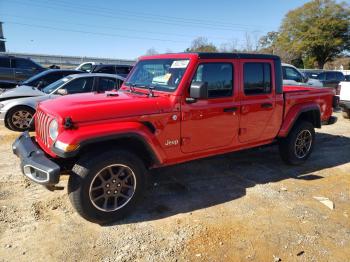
<point>199,90</point>
<point>305,79</point>
<point>62,91</point>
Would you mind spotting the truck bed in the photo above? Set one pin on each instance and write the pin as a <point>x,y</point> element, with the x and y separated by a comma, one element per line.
<point>301,94</point>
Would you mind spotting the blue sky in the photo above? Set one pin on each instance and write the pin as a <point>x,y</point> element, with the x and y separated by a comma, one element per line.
<point>127,29</point>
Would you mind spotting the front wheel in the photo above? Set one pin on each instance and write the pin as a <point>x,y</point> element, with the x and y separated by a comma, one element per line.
<point>20,118</point>
<point>106,187</point>
<point>298,145</point>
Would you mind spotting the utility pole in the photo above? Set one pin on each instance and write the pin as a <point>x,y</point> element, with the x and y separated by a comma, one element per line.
<point>2,39</point>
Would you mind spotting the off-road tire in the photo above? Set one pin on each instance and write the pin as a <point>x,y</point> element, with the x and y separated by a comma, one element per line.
<point>82,179</point>
<point>12,112</point>
<point>346,113</point>
<point>287,146</point>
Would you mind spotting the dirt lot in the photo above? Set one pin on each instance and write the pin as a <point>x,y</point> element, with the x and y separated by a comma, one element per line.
<point>245,206</point>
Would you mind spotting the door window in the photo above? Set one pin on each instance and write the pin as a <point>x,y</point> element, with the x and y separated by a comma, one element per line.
<point>123,70</point>
<point>24,64</point>
<point>86,67</point>
<point>257,78</point>
<point>106,84</point>
<point>5,62</point>
<point>106,70</point>
<point>80,85</point>
<point>290,73</point>
<point>218,76</point>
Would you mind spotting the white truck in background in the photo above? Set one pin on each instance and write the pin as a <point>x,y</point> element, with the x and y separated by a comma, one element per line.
<point>344,98</point>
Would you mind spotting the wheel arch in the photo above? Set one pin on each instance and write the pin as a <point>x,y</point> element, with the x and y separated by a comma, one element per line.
<point>132,142</point>
<point>309,112</point>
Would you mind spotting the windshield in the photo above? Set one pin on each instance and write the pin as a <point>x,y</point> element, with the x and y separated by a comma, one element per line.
<point>33,81</point>
<point>160,74</point>
<point>53,86</point>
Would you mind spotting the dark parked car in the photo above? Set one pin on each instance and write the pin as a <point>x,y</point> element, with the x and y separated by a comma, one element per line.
<point>16,69</point>
<point>311,74</point>
<point>47,77</point>
<point>122,70</point>
<point>331,78</point>
<point>347,78</point>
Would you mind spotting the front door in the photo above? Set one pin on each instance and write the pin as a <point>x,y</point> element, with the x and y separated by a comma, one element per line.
<point>211,123</point>
<point>257,101</point>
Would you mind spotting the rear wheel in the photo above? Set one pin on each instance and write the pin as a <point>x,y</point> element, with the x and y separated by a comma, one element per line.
<point>19,118</point>
<point>106,187</point>
<point>346,113</point>
<point>298,145</point>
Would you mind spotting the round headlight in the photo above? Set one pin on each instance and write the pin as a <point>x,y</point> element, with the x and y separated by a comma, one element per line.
<point>53,129</point>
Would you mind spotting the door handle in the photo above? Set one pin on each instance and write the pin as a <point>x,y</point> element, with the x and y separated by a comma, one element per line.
<point>230,109</point>
<point>266,105</point>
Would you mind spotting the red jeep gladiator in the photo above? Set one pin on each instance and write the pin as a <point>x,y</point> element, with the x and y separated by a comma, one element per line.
<point>171,109</point>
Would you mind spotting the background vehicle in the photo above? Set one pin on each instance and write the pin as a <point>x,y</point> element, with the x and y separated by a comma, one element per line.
<point>293,76</point>
<point>16,113</point>
<point>331,78</point>
<point>33,85</point>
<point>344,97</point>
<point>347,78</point>
<point>87,66</point>
<point>15,69</point>
<point>47,77</point>
<point>172,108</point>
<point>122,70</point>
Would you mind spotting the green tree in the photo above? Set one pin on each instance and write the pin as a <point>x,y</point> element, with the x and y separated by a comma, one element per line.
<point>318,31</point>
<point>201,44</point>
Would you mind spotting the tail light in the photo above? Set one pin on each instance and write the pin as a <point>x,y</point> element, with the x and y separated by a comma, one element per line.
<point>337,90</point>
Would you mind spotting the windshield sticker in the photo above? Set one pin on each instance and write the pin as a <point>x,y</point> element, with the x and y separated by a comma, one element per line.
<point>180,64</point>
<point>163,80</point>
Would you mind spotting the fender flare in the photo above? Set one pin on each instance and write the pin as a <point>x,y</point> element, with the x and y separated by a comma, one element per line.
<point>293,115</point>
<point>142,135</point>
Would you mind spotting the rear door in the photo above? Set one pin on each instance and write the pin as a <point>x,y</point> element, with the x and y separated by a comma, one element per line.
<point>257,101</point>
<point>7,74</point>
<point>24,68</point>
<point>211,123</point>
<point>107,84</point>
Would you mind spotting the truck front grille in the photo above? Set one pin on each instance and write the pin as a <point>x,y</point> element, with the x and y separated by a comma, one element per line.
<point>42,122</point>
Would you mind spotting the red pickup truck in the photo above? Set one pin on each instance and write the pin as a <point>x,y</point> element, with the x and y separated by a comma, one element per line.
<point>172,108</point>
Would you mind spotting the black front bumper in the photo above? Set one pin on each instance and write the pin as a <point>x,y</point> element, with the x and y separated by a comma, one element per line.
<point>34,163</point>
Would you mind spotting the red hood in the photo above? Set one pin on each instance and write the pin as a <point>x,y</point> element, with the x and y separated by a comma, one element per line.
<point>96,107</point>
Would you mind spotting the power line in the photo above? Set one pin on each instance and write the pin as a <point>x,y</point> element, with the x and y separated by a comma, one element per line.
<point>109,27</point>
<point>92,33</point>
<point>148,15</point>
<point>149,20</point>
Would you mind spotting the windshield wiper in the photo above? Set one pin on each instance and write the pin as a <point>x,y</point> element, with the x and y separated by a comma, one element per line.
<point>131,87</point>
<point>149,87</point>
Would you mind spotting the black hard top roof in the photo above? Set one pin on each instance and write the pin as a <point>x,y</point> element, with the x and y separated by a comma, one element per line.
<point>236,56</point>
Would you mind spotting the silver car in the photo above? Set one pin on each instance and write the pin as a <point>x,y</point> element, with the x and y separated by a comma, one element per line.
<point>293,76</point>
<point>17,106</point>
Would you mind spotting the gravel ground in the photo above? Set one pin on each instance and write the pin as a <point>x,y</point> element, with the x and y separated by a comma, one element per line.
<point>244,206</point>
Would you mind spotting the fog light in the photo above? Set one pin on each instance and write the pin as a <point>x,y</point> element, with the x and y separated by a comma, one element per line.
<point>65,147</point>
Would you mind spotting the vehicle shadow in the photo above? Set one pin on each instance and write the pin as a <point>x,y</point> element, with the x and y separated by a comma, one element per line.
<point>207,182</point>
